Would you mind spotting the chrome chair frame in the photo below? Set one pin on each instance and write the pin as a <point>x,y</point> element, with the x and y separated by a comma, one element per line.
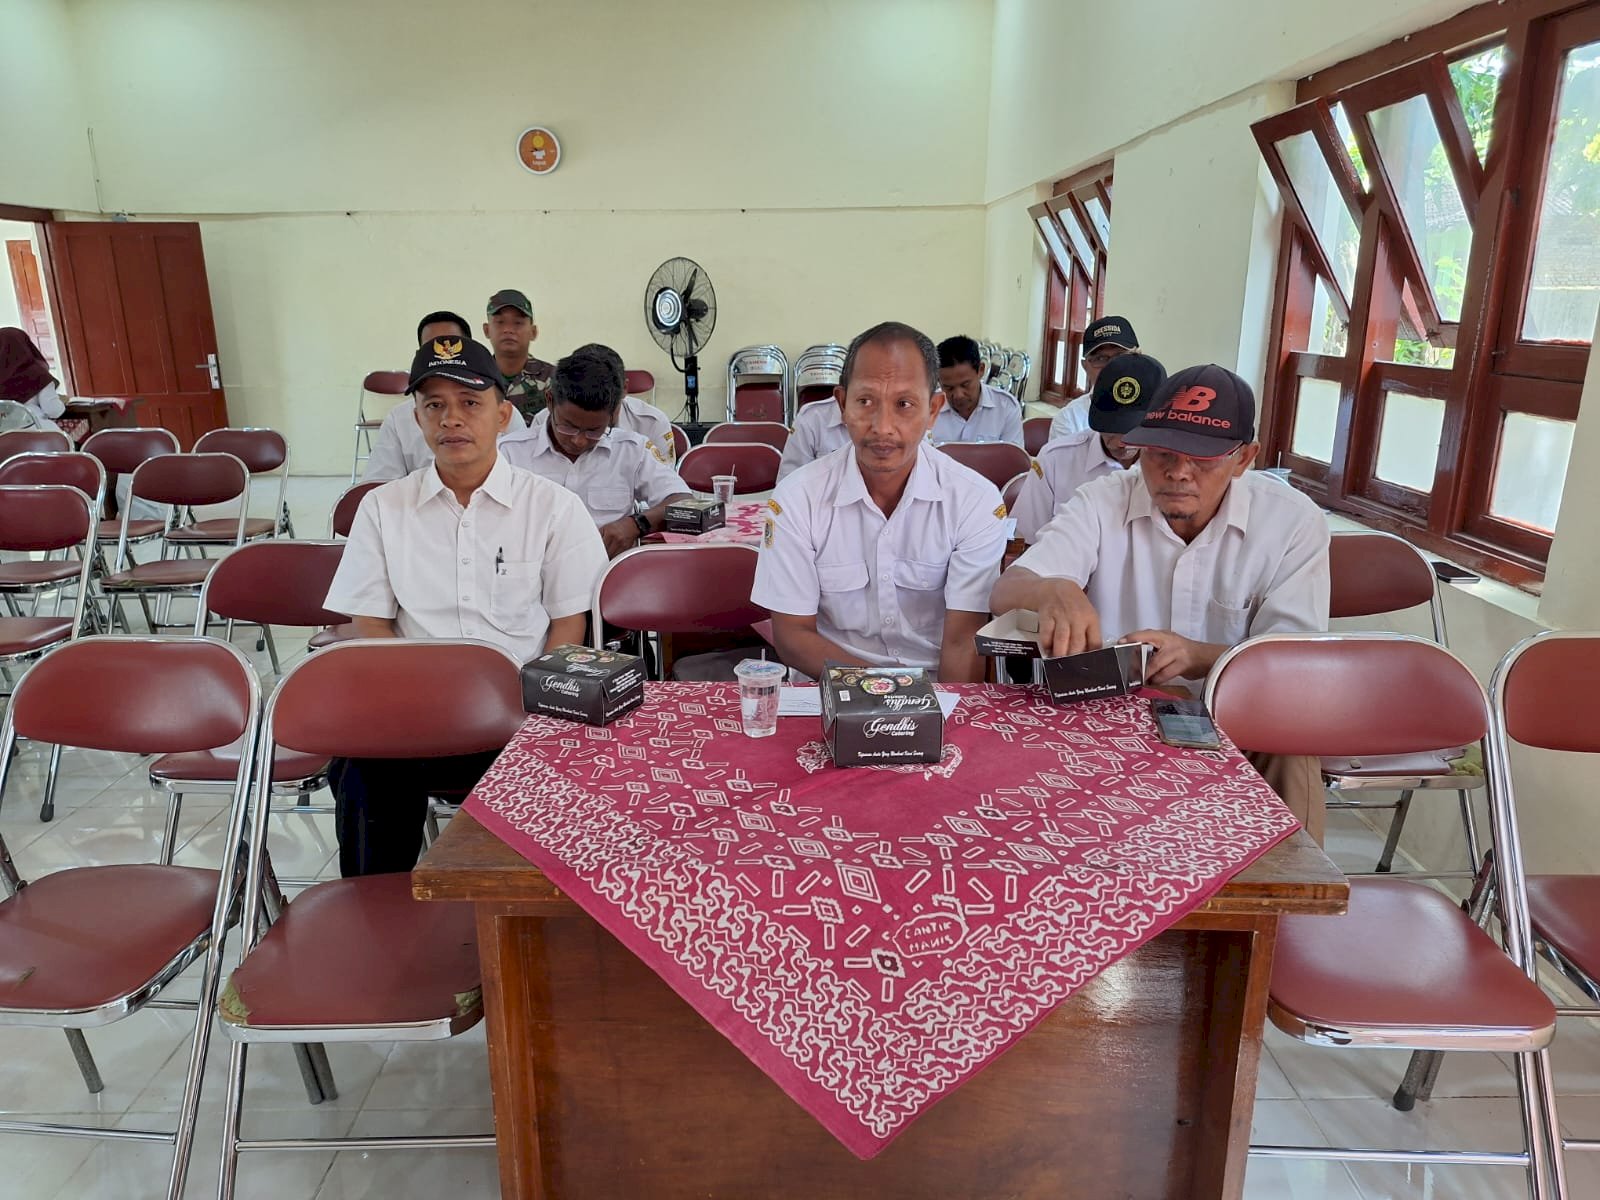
<point>282,524</point>
<point>740,364</point>
<point>37,590</point>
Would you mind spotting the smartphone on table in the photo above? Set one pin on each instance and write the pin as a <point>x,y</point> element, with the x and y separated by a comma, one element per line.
<point>1450,573</point>
<point>1185,723</point>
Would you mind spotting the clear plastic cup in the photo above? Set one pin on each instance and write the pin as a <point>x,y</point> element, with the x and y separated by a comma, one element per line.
<point>722,488</point>
<point>759,681</point>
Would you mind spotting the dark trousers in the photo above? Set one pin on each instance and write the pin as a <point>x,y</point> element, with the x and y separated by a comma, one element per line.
<point>381,804</point>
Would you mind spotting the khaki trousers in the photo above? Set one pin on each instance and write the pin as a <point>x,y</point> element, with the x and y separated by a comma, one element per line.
<point>1298,782</point>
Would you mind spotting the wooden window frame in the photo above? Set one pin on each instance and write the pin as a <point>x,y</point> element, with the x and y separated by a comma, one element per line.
<point>1075,283</point>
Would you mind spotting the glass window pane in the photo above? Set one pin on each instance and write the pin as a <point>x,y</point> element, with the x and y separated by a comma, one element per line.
<point>1058,366</point>
<point>1052,239</point>
<point>1341,122</point>
<point>1408,442</point>
<point>1101,218</point>
<point>1564,289</point>
<point>1477,83</point>
<point>1409,345</point>
<point>1331,222</point>
<point>1078,238</point>
<point>1532,469</point>
<point>1329,335</point>
<point>1415,162</point>
<point>1316,415</point>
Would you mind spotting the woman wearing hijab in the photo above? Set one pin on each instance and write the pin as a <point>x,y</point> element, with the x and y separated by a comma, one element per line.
<point>25,377</point>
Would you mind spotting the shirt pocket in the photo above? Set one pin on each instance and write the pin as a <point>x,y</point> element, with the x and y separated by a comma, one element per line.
<point>514,601</point>
<point>837,578</point>
<point>610,502</point>
<point>921,576</point>
<point>1229,623</point>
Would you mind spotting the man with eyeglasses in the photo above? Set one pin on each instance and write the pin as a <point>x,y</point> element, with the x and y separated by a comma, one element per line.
<point>1103,341</point>
<point>1191,553</point>
<point>620,477</point>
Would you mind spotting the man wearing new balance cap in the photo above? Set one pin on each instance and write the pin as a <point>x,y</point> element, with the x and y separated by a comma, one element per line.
<point>465,547</point>
<point>510,331</point>
<point>1103,340</point>
<point>1192,553</point>
<point>1121,397</point>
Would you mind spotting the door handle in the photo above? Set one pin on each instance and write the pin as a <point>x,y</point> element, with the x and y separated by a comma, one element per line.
<point>210,366</point>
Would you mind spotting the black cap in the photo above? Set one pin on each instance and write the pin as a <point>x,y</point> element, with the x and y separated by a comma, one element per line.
<point>1109,331</point>
<point>1203,412</point>
<point>510,298</point>
<point>457,358</point>
<point>1124,392</point>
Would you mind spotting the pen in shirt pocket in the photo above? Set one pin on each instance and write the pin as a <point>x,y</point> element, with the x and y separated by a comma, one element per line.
<point>500,561</point>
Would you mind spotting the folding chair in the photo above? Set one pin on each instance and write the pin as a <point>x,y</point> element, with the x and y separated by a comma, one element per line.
<point>33,441</point>
<point>758,385</point>
<point>360,960</point>
<point>697,588</point>
<point>816,373</point>
<point>1372,574</point>
<point>1035,433</point>
<point>1405,967</point>
<point>264,452</point>
<point>768,433</point>
<point>179,481</point>
<point>376,383</point>
<point>754,466</point>
<point>345,507</point>
<point>998,462</point>
<point>1013,489</point>
<point>120,452</point>
<point>87,946</point>
<point>680,443</point>
<point>30,577</point>
<point>641,384</point>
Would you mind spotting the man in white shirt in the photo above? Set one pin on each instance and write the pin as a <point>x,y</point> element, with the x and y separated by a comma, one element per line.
<point>818,430</point>
<point>399,447</point>
<point>1121,397</point>
<point>1103,340</point>
<point>973,410</point>
<point>468,547</point>
<point>622,479</point>
<point>882,552</point>
<point>1193,553</point>
<point>636,415</point>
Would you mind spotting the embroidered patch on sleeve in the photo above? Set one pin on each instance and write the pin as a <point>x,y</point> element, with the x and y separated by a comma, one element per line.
<point>1001,512</point>
<point>1037,469</point>
<point>769,533</point>
<point>777,509</point>
<point>656,450</point>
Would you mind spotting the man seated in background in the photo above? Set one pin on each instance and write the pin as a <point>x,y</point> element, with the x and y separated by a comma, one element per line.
<point>400,448</point>
<point>1192,553</point>
<point>510,331</point>
<point>1122,396</point>
<point>622,479</point>
<point>973,410</point>
<point>1103,341</point>
<point>883,551</point>
<point>636,415</point>
<point>470,548</point>
<point>818,429</point>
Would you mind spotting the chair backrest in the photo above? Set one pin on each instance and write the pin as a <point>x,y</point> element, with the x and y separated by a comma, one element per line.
<point>1372,573</point>
<point>72,469</point>
<point>753,464</point>
<point>680,443</point>
<point>682,588</point>
<point>1541,692</point>
<point>1035,433</point>
<point>769,432</point>
<point>33,441</point>
<point>191,479</point>
<point>758,385</point>
<point>261,450</point>
<point>346,507</point>
<point>1345,696</point>
<point>1013,489</point>
<point>386,383</point>
<point>640,383</point>
<point>150,695</point>
<point>121,450</point>
<point>386,698</point>
<point>273,583</point>
<point>38,518</point>
<point>997,462</point>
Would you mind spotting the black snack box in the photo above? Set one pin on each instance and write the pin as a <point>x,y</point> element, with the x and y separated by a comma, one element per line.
<point>695,515</point>
<point>592,686</point>
<point>874,716</point>
<point>1110,671</point>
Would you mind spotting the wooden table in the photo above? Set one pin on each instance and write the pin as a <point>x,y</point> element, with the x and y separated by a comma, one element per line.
<point>607,1084</point>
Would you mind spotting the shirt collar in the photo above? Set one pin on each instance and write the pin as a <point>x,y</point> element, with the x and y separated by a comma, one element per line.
<point>923,484</point>
<point>497,486</point>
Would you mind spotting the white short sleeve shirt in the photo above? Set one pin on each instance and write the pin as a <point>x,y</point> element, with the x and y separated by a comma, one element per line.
<point>880,587</point>
<point>1260,566</point>
<point>611,477</point>
<point>818,430</point>
<point>1061,468</point>
<point>649,422</point>
<point>1073,417</point>
<point>399,447</point>
<point>997,418</point>
<point>521,552</point>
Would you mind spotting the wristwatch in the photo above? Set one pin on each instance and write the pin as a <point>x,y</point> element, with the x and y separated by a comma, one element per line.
<point>643,522</point>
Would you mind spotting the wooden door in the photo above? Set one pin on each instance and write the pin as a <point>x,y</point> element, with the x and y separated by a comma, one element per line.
<point>30,297</point>
<point>134,316</point>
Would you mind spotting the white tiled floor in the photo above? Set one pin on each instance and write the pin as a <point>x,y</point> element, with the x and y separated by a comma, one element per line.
<point>105,813</point>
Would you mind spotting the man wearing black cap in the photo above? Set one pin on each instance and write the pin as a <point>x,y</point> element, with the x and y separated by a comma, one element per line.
<point>510,331</point>
<point>470,548</point>
<point>1121,397</point>
<point>1103,341</point>
<point>1193,553</point>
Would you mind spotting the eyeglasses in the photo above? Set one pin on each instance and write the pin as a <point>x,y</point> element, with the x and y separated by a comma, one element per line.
<point>587,435</point>
<point>1167,459</point>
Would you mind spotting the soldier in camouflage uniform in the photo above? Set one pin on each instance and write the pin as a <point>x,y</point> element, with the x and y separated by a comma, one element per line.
<point>510,331</point>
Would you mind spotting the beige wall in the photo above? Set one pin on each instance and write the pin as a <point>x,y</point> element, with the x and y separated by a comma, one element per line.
<point>44,149</point>
<point>1014,277</point>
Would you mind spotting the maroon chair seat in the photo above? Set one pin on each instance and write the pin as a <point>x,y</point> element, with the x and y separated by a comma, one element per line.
<point>998,462</point>
<point>1035,433</point>
<point>32,573</point>
<point>139,529</point>
<point>754,466</point>
<point>770,433</point>
<point>80,939</point>
<point>359,952</point>
<point>222,765</point>
<point>1404,958</point>
<point>25,635</point>
<point>332,634</point>
<point>167,572</point>
<point>222,529</point>
<point>1565,910</point>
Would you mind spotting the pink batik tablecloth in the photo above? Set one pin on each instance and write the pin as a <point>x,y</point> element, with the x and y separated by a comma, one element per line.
<point>745,523</point>
<point>871,937</point>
